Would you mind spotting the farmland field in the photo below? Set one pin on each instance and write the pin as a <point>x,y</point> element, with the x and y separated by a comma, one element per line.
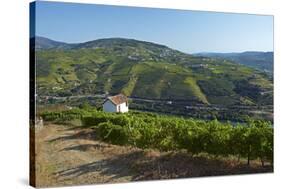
<point>80,146</point>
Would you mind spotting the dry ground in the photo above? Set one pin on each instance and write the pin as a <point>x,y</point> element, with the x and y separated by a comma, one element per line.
<point>72,156</point>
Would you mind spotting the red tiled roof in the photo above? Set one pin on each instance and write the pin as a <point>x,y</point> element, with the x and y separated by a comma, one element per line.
<point>118,99</point>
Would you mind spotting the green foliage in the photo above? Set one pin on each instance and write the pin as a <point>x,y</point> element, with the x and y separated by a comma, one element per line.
<point>147,130</point>
<point>67,115</point>
<point>85,105</point>
<point>115,134</point>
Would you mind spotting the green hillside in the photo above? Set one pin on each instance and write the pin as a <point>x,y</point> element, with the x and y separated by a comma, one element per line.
<point>147,70</point>
<point>255,59</point>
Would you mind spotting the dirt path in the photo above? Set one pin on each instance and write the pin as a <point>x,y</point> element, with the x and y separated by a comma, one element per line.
<point>68,156</point>
<point>73,156</point>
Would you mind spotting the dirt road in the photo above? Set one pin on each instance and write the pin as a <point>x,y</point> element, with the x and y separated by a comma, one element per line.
<point>68,156</point>
<point>73,156</point>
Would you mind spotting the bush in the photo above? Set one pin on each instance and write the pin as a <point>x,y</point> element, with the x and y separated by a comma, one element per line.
<point>114,134</point>
<point>93,120</point>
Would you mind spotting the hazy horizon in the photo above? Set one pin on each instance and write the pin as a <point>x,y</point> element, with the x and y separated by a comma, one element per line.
<point>183,30</point>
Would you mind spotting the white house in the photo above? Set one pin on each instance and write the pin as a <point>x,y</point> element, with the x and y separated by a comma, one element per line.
<point>117,103</point>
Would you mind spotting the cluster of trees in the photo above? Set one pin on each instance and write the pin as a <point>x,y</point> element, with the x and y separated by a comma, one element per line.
<point>252,140</point>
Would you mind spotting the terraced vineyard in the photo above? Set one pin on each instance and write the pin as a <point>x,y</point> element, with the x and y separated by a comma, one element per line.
<point>253,140</point>
<point>146,70</point>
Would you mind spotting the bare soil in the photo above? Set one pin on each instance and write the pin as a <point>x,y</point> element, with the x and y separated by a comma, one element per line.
<point>74,156</point>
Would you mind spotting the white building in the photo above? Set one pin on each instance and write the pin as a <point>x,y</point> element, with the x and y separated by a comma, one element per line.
<point>117,103</point>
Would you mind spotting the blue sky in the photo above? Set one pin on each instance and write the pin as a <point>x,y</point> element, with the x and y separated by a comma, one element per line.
<point>187,31</point>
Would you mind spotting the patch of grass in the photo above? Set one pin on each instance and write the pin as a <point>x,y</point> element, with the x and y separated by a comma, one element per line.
<point>191,82</point>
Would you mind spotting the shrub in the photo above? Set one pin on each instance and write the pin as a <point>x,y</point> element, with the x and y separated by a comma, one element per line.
<point>114,134</point>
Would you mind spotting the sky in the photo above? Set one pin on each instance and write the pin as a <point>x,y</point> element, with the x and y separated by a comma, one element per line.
<point>187,31</point>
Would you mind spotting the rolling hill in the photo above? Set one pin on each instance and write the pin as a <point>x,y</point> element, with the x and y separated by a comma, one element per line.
<point>45,43</point>
<point>259,60</point>
<point>145,70</point>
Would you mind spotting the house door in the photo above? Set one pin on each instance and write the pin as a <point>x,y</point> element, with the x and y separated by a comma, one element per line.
<point>119,108</point>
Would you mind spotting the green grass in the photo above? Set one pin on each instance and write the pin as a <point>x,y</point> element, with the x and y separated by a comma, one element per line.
<point>191,82</point>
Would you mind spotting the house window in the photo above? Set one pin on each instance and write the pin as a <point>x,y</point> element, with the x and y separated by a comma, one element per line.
<point>119,108</point>
<point>127,104</point>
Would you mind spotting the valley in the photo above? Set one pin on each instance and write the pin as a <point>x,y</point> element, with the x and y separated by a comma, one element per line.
<point>179,108</point>
<point>155,78</point>
<point>122,94</point>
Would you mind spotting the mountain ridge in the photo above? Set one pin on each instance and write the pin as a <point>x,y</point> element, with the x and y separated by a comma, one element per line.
<point>121,38</point>
<point>47,43</point>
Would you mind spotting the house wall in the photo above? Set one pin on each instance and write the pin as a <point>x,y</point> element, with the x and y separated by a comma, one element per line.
<point>108,106</point>
<point>123,107</point>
